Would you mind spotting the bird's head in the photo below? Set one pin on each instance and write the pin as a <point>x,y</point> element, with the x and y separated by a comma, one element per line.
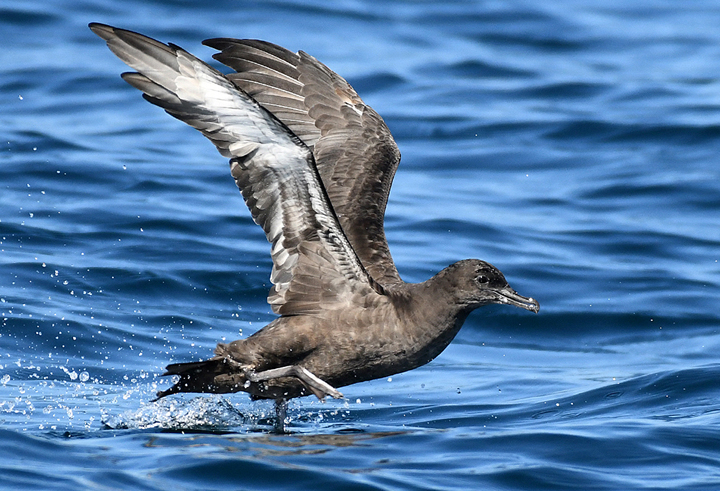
<point>477,283</point>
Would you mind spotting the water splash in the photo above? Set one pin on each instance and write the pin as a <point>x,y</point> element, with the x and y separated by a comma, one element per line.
<point>212,413</point>
<point>216,413</point>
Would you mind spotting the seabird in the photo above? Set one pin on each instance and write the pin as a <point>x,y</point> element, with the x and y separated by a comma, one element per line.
<point>314,164</point>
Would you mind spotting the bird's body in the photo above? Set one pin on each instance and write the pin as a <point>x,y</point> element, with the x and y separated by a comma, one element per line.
<point>399,331</point>
<point>314,165</point>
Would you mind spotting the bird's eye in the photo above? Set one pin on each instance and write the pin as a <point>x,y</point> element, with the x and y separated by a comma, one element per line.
<point>482,279</point>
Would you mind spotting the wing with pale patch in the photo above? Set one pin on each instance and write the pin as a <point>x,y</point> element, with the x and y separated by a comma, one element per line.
<point>314,266</point>
<point>353,148</point>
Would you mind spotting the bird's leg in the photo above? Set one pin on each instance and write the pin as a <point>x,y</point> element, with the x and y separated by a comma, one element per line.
<point>319,387</point>
<point>280,414</point>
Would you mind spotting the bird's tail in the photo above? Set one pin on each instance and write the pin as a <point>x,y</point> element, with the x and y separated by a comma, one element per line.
<point>200,376</point>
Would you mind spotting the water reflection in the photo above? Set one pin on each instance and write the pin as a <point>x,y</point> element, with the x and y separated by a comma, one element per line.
<point>260,445</point>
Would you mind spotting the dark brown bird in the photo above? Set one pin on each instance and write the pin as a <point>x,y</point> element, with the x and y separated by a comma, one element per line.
<point>314,165</point>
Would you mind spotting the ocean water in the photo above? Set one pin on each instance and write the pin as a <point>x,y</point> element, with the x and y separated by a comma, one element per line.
<point>573,144</point>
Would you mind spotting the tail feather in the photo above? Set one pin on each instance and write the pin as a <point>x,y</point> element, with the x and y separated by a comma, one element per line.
<point>198,376</point>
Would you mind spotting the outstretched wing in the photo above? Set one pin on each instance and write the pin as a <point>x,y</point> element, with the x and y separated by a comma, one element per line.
<point>353,148</point>
<point>314,265</point>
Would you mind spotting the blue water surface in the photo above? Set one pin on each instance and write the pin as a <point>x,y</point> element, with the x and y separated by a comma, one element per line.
<point>573,144</point>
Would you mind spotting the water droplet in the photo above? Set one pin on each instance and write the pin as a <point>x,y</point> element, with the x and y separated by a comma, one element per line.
<point>84,376</point>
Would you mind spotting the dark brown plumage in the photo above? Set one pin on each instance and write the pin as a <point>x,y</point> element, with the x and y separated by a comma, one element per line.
<point>315,166</point>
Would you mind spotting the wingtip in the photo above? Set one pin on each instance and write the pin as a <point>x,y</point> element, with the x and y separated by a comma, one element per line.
<point>217,43</point>
<point>103,30</point>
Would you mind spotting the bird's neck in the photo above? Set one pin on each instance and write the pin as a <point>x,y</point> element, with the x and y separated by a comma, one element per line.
<point>435,316</point>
